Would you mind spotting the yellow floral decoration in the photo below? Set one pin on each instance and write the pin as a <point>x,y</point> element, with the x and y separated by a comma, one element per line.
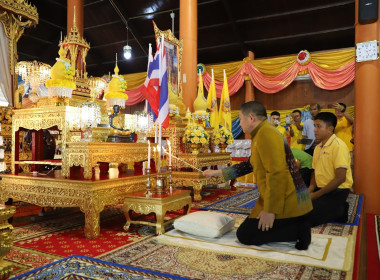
<point>223,136</point>
<point>195,134</point>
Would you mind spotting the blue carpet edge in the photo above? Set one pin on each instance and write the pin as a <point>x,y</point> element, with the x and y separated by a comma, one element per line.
<point>210,205</point>
<point>104,262</point>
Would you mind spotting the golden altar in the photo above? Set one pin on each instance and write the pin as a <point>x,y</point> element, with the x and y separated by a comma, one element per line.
<point>88,154</point>
<point>53,189</point>
<point>89,195</point>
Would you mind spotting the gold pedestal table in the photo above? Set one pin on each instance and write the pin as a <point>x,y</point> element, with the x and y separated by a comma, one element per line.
<point>158,204</point>
<point>6,239</point>
<point>196,179</point>
<point>89,195</point>
<point>203,159</point>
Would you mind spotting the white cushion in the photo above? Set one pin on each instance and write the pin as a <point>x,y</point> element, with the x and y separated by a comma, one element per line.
<point>204,223</point>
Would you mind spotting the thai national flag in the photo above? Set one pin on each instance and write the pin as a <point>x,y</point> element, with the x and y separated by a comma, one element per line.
<point>163,110</point>
<point>148,107</point>
<point>155,88</point>
<point>150,89</point>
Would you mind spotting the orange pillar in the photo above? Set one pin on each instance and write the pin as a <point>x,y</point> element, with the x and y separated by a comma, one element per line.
<point>367,121</point>
<point>78,15</point>
<point>249,90</point>
<point>188,31</point>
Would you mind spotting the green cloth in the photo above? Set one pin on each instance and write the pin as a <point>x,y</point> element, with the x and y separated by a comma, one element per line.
<point>305,159</point>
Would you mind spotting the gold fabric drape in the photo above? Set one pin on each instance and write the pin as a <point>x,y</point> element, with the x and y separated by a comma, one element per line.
<point>134,80</point>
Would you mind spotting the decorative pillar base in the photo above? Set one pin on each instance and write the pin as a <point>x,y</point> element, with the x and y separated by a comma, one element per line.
<point>6,239</point>
<point>6,269</point>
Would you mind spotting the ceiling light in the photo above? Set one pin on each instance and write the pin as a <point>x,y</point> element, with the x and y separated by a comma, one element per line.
<point>127,48</point>
<point>127,51</point>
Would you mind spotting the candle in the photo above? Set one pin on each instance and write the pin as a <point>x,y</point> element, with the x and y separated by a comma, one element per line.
<point>148,154</point>
<point>159,135</point>
<point>159,159</point>
<point>155,133</point>
<point>170,153</point>
<point>159,147</point>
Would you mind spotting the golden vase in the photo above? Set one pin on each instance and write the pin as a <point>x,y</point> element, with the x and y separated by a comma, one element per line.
<point>195,148</point>
<point>222,147</point>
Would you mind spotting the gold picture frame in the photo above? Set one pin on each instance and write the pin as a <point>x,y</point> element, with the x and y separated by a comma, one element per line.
<point>173,52</point>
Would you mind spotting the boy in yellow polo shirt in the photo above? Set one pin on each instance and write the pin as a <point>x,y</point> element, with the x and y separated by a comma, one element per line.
<point>330,186</point>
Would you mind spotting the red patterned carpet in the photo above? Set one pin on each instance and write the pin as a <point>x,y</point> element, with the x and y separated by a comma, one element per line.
<point>73,242</point>
<point>373,246</point>
<point>42,240</point>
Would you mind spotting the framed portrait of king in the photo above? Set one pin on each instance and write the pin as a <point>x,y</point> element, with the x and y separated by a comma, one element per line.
<point>173,52</point>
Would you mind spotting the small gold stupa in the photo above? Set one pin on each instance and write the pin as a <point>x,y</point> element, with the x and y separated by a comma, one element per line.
<point>115,94</point>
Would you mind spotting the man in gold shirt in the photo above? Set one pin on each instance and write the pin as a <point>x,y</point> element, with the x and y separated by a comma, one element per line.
<point>330,186</point>
<point>280,212</point>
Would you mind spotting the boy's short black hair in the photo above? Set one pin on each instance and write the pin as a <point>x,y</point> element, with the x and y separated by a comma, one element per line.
<point>328,118</point>
<point>297,111</point>
<point>275,113</point>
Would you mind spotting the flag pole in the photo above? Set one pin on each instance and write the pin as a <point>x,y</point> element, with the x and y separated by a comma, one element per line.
<point>159,147</point>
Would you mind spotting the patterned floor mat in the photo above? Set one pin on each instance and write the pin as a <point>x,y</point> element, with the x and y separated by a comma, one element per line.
<point>203,264</point>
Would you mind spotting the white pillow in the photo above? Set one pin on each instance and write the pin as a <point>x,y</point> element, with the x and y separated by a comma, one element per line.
<point>204,223</point>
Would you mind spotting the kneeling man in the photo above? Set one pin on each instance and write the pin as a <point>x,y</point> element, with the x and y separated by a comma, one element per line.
<point>280,211</point>
<point>330,186</point>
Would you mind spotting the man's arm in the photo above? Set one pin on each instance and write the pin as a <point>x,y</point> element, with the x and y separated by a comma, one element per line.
<point>348,117</point>
<point>291,132</point>
<point>299,126</point>
<point>231,172</point>
<point>340,177</point>
<point>313,183</point>
<point>212,173</point>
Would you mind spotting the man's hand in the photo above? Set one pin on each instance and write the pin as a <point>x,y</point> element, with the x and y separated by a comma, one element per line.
<point>338,106</point>
<point>313,195</point>
<point>266,220</point>
<point>212,173</point>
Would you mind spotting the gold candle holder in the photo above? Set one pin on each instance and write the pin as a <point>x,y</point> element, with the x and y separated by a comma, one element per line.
<point>170,179</point>
<point>148,192</point>
<point>161,184</point>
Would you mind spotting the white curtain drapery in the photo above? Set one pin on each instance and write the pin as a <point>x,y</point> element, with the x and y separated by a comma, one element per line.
<point>5,73</point>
